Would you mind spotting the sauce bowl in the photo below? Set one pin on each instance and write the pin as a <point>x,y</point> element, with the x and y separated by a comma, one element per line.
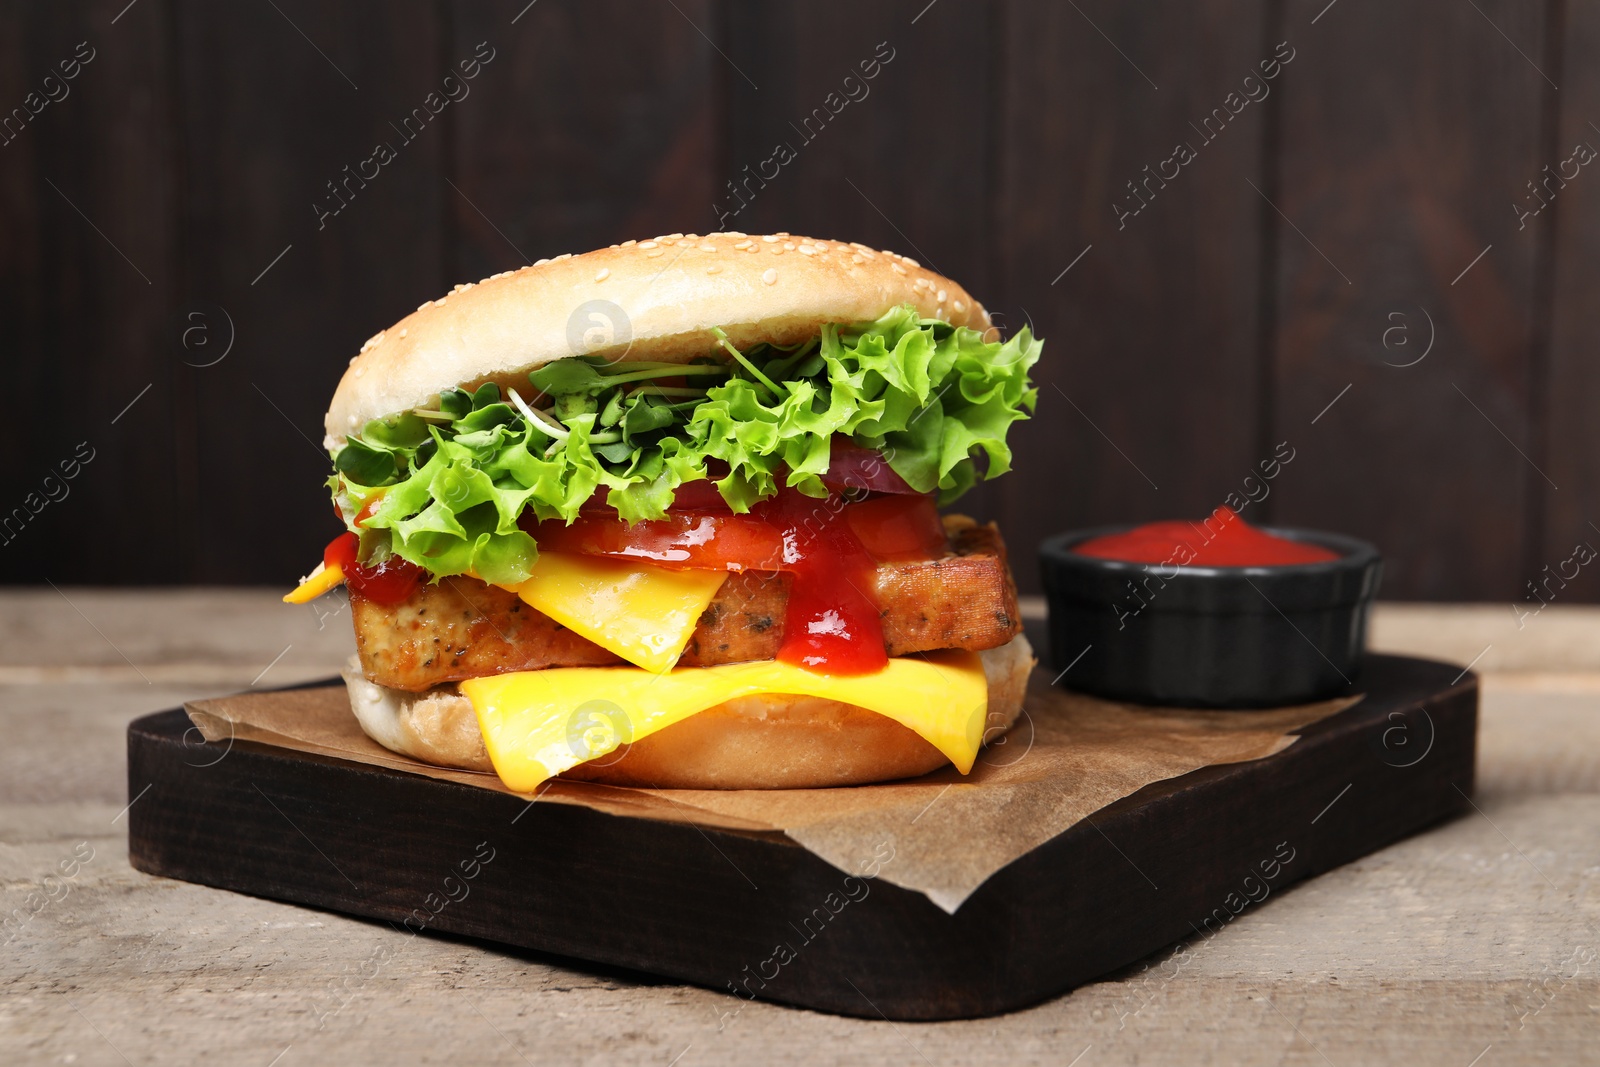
<point>1211,637</point>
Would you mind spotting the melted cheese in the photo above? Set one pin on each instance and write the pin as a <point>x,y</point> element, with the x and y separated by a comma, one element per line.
<point>644,613</point>
<point>537,724</point>
<point>315,584</point>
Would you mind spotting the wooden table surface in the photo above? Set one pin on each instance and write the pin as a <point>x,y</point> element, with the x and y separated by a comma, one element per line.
<point>1474,944</point>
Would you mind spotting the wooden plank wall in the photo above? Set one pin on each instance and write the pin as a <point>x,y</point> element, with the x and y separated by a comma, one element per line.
<point>1239,225</point>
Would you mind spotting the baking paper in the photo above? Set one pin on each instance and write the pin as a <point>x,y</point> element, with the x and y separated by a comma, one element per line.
<point>1068,756</point>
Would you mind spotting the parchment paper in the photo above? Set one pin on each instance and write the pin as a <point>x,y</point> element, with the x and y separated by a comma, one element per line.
<point>1068,756</point>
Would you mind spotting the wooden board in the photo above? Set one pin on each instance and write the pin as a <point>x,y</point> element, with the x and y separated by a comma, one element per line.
<point>1382,217</point>
<point>1151,399</point>
<point>553,157</point>
<point>191,151</point>
<point>904,159</point>
<point>1569,441</point>
<point>275,105</point>
<point>88,276</point>
<point>711,906</point>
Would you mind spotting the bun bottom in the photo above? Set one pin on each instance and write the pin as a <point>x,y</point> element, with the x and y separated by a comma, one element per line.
<point>771,741</point>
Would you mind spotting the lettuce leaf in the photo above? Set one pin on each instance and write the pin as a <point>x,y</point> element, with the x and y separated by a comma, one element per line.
<point>445,488</point>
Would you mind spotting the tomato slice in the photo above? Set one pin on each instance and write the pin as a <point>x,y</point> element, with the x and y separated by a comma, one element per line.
<point>368,508</point>
<point>854,469</point>
<point>889,528</point>
<point>895,528</point>
<point>831,618</point>
<point>702,541</point>
<point>391,582</point>
<point>690,496</point>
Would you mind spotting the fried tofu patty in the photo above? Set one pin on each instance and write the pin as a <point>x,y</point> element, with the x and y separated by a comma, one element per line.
<point>462,628</point>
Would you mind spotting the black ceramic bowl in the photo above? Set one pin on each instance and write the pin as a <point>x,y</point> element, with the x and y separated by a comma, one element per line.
<point>1217,637</point>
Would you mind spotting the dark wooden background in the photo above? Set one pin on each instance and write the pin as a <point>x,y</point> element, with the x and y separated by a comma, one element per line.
<point>145,213</point>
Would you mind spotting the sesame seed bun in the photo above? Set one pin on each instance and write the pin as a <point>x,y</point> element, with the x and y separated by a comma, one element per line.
<point>772,741</point>
<point>640,300</point>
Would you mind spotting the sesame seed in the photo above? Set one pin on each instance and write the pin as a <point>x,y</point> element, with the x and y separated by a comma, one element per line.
<point>898,269</point>
<point>941,295</point>
<point>675,236</point>
<point>439,303</point>
<point>707,246</point>
<point>713,269</point>
<point>960,307</point>
<point>770,276</point>
<point>647,244</point>
<point>654,252</point>
<point>776,250</point>
<point>359,371</point>
<point>540,262</point>
<point>788,246</point>
<point>602,274</point>
<point>807,250</point>
<point>741,246</point>
<point>564,255</point>
<point>350,420</point>
<point>403,331</point>
<point>908,261</point>
<point>858,258</point>
<point>770,238</point>
<point>424,305</point>
<point>627,244</point>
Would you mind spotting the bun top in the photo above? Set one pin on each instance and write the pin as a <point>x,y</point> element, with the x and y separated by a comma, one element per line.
<point>640,300</point>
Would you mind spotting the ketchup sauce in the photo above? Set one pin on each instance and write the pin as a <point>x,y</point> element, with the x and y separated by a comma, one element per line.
<point>391,582</point>
<point>832,624</point>
<point>1223,540</point>
<point>831,547</point>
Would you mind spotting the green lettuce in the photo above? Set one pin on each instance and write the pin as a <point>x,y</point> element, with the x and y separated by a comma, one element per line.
<point>445,487</point>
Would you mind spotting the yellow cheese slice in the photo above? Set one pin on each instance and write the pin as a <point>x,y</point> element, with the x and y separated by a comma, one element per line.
<point>315,584</point>
<point>642,612</point>
<point>537,724</point>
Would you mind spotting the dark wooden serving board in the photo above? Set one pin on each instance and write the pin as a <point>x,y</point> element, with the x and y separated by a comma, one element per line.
<point>681,901</point>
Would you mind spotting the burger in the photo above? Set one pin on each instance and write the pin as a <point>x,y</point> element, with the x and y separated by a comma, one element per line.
<point>667,514</point>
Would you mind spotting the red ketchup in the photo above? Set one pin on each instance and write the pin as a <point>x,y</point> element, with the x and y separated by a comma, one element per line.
<point>1223,540</point>
<point>832,624</point>
<point>391,582</point>
<point>830,548</point>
